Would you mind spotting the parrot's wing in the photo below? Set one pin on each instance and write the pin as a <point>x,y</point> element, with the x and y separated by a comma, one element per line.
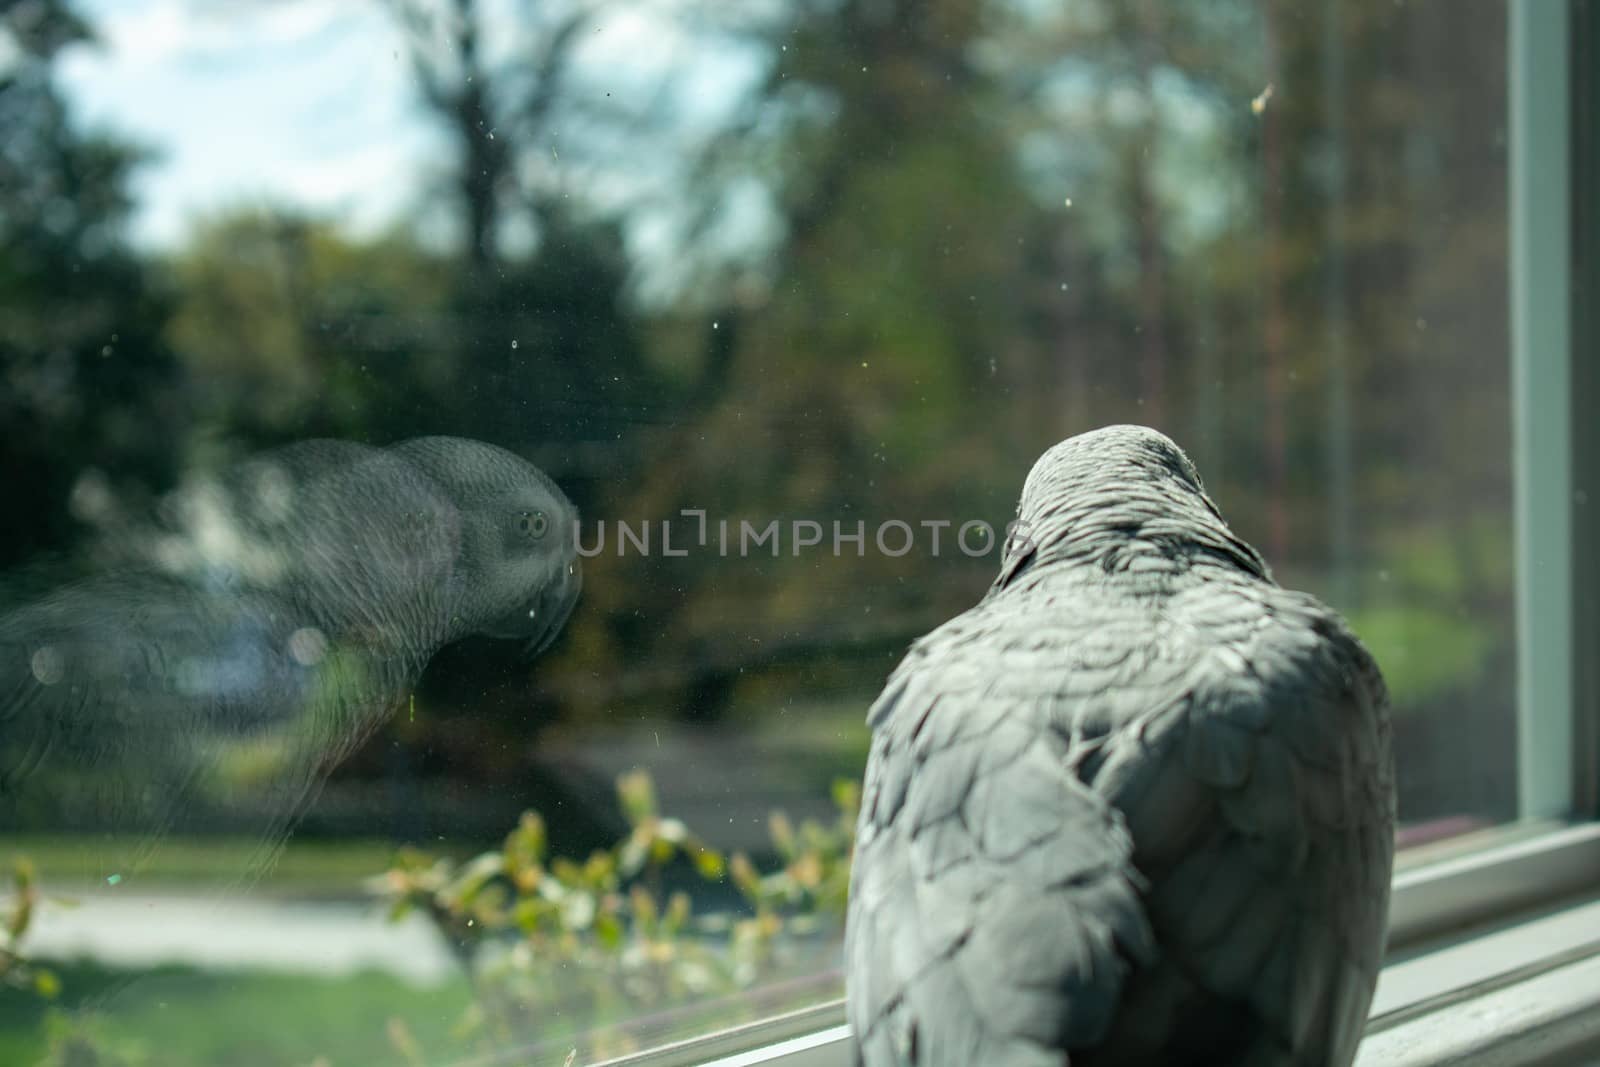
<point>229,655</point>
<point>1142,836</point>
<point>112,668</point>
<point>348,534</point>
<point>122,695</point>
<point>234,651</point>
<point>994,909</point>
<point>1262,805</point>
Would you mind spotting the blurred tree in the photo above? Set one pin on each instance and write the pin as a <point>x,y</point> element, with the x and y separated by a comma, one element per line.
<point>501,97</point>
<point>289,328</point>
<point>978,207</point>
<point>85,379</point>
<point>870,341</point>
<point>547,353</point>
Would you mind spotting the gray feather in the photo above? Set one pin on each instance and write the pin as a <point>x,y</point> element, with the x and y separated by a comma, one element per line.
<point>1135,807</point>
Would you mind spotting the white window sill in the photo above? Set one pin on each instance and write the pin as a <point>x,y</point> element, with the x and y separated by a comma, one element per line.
<point>1526,993</point>
<point>1475,976</point>
<point>1546,1011</point>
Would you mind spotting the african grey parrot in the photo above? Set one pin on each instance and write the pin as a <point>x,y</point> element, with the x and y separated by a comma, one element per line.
<point>291,610</point>
<point>1134,807</point>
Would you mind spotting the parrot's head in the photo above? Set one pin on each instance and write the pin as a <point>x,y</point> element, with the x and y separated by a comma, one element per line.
<point>1093,494</point>
<point>517,573</point>
<point>1122,455</point>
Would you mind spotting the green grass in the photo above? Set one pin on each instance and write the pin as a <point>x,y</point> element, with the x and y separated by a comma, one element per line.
<point>308,866</point>
<point>178,1017</point>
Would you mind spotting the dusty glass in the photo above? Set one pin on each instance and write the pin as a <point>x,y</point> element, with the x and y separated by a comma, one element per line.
<point>784,298</point>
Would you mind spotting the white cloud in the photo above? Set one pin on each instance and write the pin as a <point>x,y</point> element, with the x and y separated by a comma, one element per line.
<point>307,102</point>
<point>154,32</point>
<point>312,102</point>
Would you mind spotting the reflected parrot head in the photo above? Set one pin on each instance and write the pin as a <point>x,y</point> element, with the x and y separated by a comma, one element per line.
<point>516,573</point>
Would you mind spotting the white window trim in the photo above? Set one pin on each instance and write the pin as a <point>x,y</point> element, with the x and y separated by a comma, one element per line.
<point>1534,865</point>
<point>1528,992</point>
<point>1539,111</point>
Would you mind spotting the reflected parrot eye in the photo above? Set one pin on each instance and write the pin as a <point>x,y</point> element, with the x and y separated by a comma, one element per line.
<point>533,524</point>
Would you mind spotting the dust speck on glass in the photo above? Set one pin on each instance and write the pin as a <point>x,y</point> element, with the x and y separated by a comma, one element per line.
<point>471,464</point>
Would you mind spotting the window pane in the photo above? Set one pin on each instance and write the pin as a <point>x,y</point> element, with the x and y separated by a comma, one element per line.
<point>785,299</point>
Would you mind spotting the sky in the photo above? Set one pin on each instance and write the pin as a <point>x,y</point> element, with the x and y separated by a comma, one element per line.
<point>302,101</point>
<point>313,103</point>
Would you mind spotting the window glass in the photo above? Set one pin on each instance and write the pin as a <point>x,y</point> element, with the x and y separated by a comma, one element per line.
<point>318,747</point>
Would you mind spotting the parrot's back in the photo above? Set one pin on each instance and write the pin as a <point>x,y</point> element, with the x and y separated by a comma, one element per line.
<point>1136,806</point>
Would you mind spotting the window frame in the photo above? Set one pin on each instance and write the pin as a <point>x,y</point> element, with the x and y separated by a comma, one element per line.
<point>1584,57</point>
<point>1542,361</point>
<point>1459,926</point>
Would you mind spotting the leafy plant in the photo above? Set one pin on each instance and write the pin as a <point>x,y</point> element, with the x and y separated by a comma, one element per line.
<point>16,970</point>
<point>73,1038</point>
<point>556,947</point>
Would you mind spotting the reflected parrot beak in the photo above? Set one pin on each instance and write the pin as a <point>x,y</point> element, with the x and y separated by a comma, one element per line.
<point>554,606</point>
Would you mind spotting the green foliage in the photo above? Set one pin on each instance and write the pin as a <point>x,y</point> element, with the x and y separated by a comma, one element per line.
<point>1431,619</point>
<point>16,971</point>
<point>84,1040</point>
<point>558,948</point>
<point>71,1039</point>
<point>286,326</point>
<point>83,369</point>
<point>1425,652</point>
